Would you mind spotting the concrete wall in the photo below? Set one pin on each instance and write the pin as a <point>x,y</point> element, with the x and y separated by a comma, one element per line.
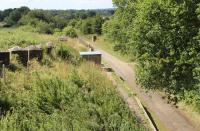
<point>93,58</point>
<point>22,55</point>
<point>36,54</point>
<point>5,58</point>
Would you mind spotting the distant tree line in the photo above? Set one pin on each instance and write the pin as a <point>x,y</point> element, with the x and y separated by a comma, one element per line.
<point>92,25</point>
<point>12,16</point>
<point>164,38</point>
<point>50,21</point>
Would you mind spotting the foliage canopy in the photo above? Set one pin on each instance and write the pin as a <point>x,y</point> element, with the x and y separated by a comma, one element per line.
<point>164,38</point>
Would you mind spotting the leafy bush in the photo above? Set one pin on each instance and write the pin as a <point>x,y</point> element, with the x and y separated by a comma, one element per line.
<point>92,25</point>
<point>72,23</point>
<point>69,54</point>
<point>12,16</point>
<point>84,100</point>
<point>86,27</point>
<point>43,27</point>
<point>70,31</point>
<point>57,32</point>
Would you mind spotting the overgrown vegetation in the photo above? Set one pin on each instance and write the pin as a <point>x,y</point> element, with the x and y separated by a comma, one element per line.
<point>69,54</point>
<point>163,36</point>
<point>81,100</point>
<point>92,25</point>
<point>61,93</point>
<point>70,31</point>
<point>12,16</point>
<point>22,36</point>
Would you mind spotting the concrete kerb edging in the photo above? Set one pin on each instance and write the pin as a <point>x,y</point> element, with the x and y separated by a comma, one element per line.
<point>140,105</point>
<point>145,113</point>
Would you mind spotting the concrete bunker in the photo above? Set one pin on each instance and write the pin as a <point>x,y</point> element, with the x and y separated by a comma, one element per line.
<point>94,56</point>
<point>35,52</point>
<point>50,47</point>
<point>5,58</point>
<point>28,53</point>
<point>22,54</point>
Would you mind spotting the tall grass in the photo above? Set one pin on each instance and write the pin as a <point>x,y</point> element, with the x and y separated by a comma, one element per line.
<point>60,94</point>
<point>22,36</point>
<point>79,99</point>
<point>67,53</point>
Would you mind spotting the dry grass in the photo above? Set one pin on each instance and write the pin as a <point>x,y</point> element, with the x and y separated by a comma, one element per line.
<point>76,45</point>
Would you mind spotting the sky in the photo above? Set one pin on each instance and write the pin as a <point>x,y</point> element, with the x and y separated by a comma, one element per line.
<point>57,4</point>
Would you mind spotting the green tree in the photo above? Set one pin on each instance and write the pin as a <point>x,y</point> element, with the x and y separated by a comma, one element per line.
<point>1,16</point>
<point>73,23</point>
<point>59,22</point>
<point>6,13</point>
<point>97,24</point>
<point>162,35</point>
<point>86,27</point>
<point>118,28</point>
<point>43,27</point>
<point>13,16</point>
<point>70,31</point>
<point>92,25</point>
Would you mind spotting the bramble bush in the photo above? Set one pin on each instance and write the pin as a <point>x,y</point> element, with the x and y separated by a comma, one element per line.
<point>82,99</point>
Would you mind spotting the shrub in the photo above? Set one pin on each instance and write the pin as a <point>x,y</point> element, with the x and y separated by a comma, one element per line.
<point>70,31</point>
<point>69,54</point>
<point>57,32</point>
<point>84,100</point>
<point>43,27</point>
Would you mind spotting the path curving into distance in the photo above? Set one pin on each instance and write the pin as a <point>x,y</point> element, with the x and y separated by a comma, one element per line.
<point>169,116</point>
